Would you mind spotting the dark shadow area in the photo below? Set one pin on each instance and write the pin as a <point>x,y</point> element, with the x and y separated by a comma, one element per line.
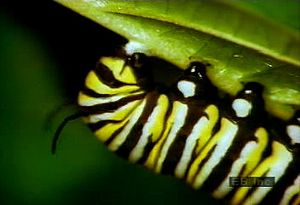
<point>76,42</point>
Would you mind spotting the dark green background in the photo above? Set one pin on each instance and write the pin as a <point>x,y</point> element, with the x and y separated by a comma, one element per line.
<point>45,52</point>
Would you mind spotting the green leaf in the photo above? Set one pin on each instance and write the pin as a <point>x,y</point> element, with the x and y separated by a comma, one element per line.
<point>240,45</point>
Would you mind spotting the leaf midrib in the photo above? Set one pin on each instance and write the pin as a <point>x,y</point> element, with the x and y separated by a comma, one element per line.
<point>216,33</point>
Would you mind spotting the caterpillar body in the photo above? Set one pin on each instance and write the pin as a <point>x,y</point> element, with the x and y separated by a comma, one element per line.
<point>187,130</point>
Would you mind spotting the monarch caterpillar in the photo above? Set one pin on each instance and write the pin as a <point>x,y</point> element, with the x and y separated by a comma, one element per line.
<point>187,130</point>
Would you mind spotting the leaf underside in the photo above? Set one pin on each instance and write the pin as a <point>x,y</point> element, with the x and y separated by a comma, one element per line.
<point>239,45</point>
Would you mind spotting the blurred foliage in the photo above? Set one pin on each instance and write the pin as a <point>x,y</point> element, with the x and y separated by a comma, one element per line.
<point>41,69</point>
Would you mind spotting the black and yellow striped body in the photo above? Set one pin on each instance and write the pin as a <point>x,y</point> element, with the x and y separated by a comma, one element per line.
<point>187,131</point>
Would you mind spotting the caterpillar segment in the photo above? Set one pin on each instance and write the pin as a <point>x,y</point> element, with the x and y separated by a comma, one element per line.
<point>188,131</point>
